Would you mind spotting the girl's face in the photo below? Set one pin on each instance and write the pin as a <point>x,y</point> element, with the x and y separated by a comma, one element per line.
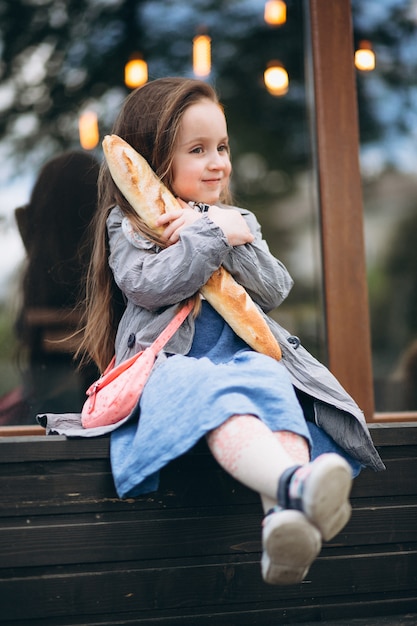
<point>201,165</point>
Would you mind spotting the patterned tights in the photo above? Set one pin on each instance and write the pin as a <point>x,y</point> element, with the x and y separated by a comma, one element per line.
<point>250,452</point>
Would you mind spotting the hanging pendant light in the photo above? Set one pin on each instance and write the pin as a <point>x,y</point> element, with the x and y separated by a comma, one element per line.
<point>88,130</point>
<point>365,57</point>
<point>275,12</point>
<point>136,72</point>
<point>276,79</point>
<point>202,56</point>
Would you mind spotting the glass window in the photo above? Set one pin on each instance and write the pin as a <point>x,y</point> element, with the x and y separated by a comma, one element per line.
<point>388,154</point>
<point>271,154</point>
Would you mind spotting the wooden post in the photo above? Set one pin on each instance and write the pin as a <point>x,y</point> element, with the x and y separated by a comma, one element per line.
<point>335,126</point>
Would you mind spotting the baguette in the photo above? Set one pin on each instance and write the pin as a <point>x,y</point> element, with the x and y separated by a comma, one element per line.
<point>137,181</point>
<point>149,197</point>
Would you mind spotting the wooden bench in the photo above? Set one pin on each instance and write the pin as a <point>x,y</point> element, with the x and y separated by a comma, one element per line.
<point>72,553</point>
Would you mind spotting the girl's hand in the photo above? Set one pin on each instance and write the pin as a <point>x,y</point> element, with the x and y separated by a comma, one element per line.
<point>232,224</point>
<point>175,221</point>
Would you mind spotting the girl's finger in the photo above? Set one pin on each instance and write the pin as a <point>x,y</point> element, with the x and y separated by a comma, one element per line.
<point>173,227</point>
<point>166,218</point>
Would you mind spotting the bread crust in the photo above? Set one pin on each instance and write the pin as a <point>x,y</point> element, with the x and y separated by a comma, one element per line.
<point>149,197</point>
<point>137,181</point>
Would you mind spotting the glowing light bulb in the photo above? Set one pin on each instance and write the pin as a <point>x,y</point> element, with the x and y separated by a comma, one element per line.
<point>136,73</point>
<point>202,55</point>
<point>276,79</point>
<point>88,129</point>
<point>365,57</point>
<point>275,12</point>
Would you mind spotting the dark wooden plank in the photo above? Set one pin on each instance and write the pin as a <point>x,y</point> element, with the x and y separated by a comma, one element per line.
<point>48,486</point>
<point>200,586</point>
<point>398,452</point>
<point>398,479</point>
<point>192,548</point>
<point>19,449</point>
<point>97,538</point>
<point>50,469</point>
<point>378,615</point>
<point>395,434</point>
<point>189,481</point>
<point>378,526</point>
<point>97,541</point>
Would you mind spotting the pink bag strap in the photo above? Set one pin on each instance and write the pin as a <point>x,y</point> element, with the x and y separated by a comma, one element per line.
<point>157,345</point>
<point>172,327</point>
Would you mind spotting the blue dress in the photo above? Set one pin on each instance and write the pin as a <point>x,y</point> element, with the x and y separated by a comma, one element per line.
<point>187,396</point>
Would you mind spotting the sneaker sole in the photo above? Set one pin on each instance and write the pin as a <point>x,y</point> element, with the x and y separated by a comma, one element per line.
<point>290,545</point>
<point>326,495</point>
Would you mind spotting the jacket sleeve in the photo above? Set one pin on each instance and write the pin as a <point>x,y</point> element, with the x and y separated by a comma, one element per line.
<point>152,278</point>
<point>264,277</point>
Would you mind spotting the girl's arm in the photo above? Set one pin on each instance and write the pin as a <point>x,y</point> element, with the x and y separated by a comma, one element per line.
<point>153,278</point>
<point>252,265</point>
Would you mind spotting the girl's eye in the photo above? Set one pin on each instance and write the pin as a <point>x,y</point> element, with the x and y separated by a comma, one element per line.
<point>223,148</point>
<point>197,150</point>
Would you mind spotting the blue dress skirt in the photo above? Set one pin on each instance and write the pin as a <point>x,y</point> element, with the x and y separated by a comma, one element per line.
<point>187,396</point>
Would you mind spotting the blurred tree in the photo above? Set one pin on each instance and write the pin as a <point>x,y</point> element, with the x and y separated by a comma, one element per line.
<point>58,56</point>
<point>387,104</point>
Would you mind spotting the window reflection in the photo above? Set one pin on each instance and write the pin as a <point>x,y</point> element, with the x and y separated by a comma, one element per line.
<point>270,145</point>
<point>53,228</point>
<point>388,126</point>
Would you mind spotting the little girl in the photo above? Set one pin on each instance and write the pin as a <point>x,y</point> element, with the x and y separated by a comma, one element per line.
<point>285,429</point>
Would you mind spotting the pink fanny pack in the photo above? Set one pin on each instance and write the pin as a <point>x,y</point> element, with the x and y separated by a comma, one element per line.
<point>115,394</point>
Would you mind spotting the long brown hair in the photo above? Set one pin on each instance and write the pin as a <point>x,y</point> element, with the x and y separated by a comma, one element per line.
<point>149,121</point>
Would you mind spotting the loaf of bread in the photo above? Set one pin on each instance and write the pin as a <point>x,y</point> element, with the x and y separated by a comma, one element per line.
<point>234,304</point>
<point>149,197</point>
<point>137,181</point>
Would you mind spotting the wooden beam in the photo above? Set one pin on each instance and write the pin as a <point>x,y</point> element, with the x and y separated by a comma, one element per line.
<point>335,126</point>
<point>22,431</point>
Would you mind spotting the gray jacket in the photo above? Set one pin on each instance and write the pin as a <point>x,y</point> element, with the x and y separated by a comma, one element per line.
<point>154,281</point>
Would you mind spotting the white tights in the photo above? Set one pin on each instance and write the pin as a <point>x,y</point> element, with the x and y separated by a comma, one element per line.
<point>250,452</point>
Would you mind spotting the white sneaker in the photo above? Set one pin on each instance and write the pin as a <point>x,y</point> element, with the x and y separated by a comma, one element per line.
<point>321,490</point>
<point>290,545</point>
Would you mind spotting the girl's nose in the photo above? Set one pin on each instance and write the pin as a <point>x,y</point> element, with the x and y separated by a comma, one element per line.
<point>216,161</point>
